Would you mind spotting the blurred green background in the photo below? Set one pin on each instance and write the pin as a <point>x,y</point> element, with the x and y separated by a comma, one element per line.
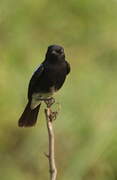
<point>86,128</point>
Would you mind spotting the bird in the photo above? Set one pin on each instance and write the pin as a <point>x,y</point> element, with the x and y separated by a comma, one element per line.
<point>47,79</point>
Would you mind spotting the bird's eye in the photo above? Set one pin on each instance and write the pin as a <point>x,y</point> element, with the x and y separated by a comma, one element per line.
<point>59,51</point>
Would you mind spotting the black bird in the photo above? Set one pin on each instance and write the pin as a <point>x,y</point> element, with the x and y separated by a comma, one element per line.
<point>46,80</point>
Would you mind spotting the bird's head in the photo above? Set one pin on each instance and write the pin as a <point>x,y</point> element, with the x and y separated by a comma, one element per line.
<point>55,52</point>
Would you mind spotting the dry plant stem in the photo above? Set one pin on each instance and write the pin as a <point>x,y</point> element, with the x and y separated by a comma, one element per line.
<point>51,155</point>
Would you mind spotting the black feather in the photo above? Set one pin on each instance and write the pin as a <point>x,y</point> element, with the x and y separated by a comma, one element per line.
<point>29,117</point>
<point>47,79</point>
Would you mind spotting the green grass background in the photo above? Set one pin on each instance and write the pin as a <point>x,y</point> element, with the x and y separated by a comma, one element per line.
<point>86,129</point>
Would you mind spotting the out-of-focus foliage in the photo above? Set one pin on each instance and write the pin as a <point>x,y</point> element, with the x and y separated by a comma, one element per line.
<point>86,129</point>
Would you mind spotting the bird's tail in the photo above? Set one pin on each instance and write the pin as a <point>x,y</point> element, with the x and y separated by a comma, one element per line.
<point>29,116</point>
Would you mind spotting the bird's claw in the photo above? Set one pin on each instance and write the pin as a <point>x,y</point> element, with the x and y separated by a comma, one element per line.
<point>49,102</point>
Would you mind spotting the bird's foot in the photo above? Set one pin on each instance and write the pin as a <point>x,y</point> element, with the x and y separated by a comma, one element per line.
<point>55,110</point>
<point>49,102</point>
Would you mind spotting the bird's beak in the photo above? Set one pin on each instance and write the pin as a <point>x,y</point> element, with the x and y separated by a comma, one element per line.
<point>53,52</point>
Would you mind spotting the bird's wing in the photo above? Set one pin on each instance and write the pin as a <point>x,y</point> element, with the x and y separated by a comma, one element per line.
<point>34,79</point>
<point>68,67</point>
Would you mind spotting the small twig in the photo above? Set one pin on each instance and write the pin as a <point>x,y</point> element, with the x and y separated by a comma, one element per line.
<point>51,154</point>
